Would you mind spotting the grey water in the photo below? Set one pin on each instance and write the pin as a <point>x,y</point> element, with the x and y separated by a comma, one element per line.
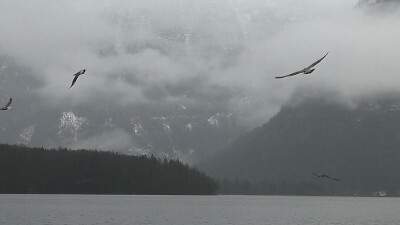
<point>177,210</point>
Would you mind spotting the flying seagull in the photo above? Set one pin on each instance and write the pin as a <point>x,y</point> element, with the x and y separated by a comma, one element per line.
<point>7,107</point>
<point>325,176</point>
<point>76,75</point>
<point>306,70</point>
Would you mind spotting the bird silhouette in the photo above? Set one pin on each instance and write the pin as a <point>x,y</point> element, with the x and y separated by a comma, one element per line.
<point>76,75</point>
<point>7,107</point>
<point>306,70</point>
<point>325,176</point>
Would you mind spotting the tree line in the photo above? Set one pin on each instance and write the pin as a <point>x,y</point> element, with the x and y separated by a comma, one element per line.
<point>63,171</point>
<point>245,187</point>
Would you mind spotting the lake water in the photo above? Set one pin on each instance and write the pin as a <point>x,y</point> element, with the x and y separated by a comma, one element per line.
<point>177,210</point>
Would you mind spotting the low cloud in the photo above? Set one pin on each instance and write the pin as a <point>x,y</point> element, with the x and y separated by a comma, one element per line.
<point>117,139</point>
<point>223,53</point>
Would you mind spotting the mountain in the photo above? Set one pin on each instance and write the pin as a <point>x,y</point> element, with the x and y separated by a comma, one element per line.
<point>189,117</point>
<point>170,107</point>
<point>359,144</point>
<point>185,118</point>
<point>165,80</point>
<point>173,129</point>
<point>41,171</point>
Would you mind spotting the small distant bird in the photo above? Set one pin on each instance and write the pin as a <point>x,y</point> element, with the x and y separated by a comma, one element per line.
<point>325,176</point>
<point>306,70</point>
<point>7,107</point>
<point>76,75</point>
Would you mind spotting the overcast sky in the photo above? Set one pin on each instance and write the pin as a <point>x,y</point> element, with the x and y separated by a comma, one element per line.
<point>225,52</point>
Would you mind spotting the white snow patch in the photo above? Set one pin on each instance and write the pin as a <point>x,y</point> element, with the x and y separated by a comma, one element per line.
<point>71,123</point>
<point>161,118</point>
<point>166,128</point>
<point>394,107</point>
<point>139,151</point>
<point>181,106</point>
<point>109,123</point>
<point>213,120</point>
<point>190,126</point>
<point>137,128</point>
<point>26,134</point>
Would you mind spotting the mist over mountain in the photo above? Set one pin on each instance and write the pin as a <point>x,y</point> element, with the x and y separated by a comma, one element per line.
<point>357,143</point>
<point>178,78</point>
<point>171,130</point>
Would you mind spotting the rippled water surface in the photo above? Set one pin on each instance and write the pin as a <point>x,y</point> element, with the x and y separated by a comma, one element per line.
<point>176,210</point>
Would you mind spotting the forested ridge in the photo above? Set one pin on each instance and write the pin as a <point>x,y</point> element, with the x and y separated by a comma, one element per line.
<point>63,171</point>
<point>359,145</point>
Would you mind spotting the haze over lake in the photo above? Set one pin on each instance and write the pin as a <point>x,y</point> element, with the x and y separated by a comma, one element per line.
<point>183,210</point>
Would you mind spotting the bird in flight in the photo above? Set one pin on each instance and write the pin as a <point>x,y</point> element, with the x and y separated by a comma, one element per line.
<point>7,107</point>
<point>325,176</point>
<point>306,70</point>
<point>76,75</point>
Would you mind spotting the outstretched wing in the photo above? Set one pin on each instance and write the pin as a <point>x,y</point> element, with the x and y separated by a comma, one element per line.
<point>329,177</point>
<point>319,60</point>
<point>74,80</point>
<point>79,72</point>
<point>9,103</point>
<point>292,74</point>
